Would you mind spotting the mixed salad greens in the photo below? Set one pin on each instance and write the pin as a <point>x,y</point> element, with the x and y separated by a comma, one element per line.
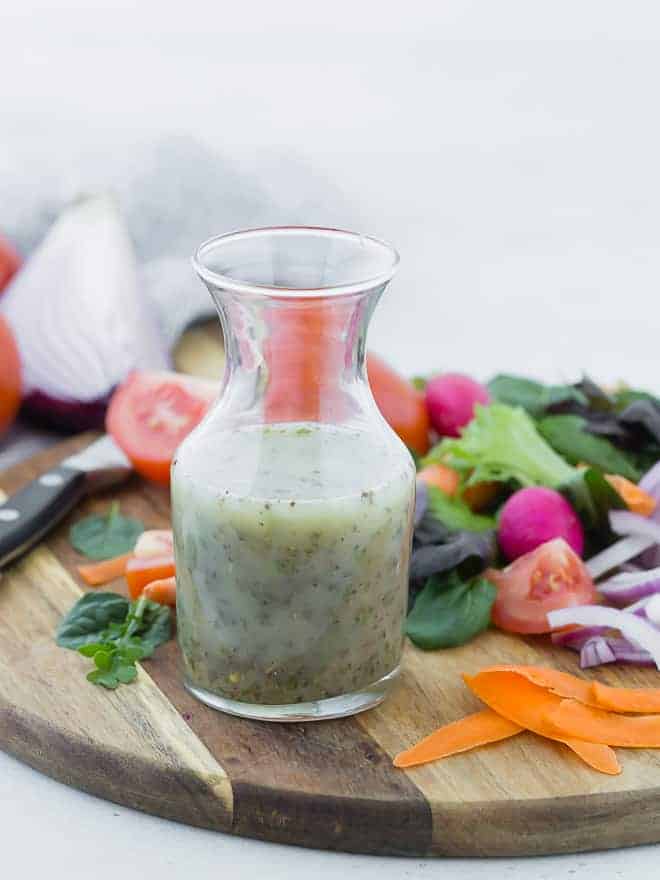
<point>531,493</point>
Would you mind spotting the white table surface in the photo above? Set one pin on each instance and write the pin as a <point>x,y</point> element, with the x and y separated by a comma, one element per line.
<point>509,149</point>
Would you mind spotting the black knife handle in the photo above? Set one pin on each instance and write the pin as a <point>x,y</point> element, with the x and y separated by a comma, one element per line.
<point>31,513</point>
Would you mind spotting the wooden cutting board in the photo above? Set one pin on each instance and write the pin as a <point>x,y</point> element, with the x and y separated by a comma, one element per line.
<point>329,784</point>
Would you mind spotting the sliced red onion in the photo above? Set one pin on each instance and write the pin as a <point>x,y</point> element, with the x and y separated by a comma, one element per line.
<point>636,629</point>
<point>652,610</point>
<point>621,651</point>
<point>575,639</point>
<point>627,587</point>
<point>596,652</point>
<point>623,522</point>
<point>616,554</point>
<point>650,482</point>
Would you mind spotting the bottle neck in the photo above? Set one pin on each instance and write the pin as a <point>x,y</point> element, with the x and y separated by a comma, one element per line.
<point>295,359</point>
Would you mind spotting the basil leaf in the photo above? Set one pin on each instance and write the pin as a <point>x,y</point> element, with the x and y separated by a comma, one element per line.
<point>105,679</point>
<point>103,537</point>
<point>155,624</point>
<point>87,621</point>
<point>126,674</point>
<point>535,397</point>
<point>449,612</point>
<point>567,436</point>
<point>455,514</point>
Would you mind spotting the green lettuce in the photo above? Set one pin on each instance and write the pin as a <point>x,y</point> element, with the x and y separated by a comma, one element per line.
<point>501,443</point>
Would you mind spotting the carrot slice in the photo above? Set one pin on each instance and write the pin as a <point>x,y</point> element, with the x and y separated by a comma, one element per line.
<point>97,573</point>
<point>515,697</point>
<point>467,733</point>
<point>573,719</point>
<point>636,499</point>
<point>591,693</point>
<point>617,699</point>
<point>596,755</point>
<point>162,591</point>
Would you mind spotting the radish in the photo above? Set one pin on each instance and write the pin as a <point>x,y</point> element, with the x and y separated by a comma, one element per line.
<point>535,515</point>
<point>451,399</point>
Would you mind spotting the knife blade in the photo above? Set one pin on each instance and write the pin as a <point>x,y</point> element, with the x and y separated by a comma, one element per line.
<point>30,514</point>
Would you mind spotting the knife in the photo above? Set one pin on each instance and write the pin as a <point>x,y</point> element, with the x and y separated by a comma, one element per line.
<point>28,516</point>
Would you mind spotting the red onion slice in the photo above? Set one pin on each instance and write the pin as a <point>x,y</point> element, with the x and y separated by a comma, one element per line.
<point>627,587</point>
<point>623,522</point>
<point>596,652</point>
<point>575,639</point>
<point>637,630</point>
<point>615,555</point>
<point>650,482</point>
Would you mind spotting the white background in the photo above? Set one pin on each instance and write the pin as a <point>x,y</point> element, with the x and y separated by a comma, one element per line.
<point>509,149</point>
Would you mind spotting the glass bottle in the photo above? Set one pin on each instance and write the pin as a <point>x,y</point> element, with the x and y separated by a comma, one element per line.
<point>292,500</point>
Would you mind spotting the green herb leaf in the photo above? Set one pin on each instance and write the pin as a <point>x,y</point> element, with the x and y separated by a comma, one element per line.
<point>501,443</point>
<point>455,514</point>
<point>126,674</point>
<point>567,434</point>
<point>592,498</point>
<point>104,537</point>
<point>449,612</point>
<point>87,622</point>
<point>535,397</point>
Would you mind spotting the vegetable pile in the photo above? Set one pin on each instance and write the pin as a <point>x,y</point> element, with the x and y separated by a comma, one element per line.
<point>537,512</point>
<point>587,717</point>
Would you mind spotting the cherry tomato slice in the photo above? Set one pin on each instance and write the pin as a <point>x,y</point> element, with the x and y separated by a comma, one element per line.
<point>152,412</point>
<point>403,407</point>
<point>140,572</point>
<point>10,377</point>
<point>550,577</point>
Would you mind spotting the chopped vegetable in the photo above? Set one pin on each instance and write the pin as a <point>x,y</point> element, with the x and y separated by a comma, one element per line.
<point>10,377</point>
<point>501,443</point>
<point>152,412</point>
<point>451,399</point>
<point>80,321</point>
<point>616,554</point>
<point>162,591</point>
<point>573,719</point>
<point>104,537</point>
<point>596,652</point>
<point>455,514</point>
<point>632,627</point>
<point>623,522</point>
<point>142,571</point>
<point>447,550</point>
<point>550,577</point>
<point>97,573</point>
<point>442,477</point>
<point>637,500</point>
<point>533,396</point>
<point>616,699</point>
<point>114,633</point>
<point>154,542</point>
<point>450,612</point>
<point>534,515</point>
<point>467,733</point>
<point>592,498</point>
<point>568,435</point>
<point>630,586</point>
<point>526,704</point>
<point>401,404</point>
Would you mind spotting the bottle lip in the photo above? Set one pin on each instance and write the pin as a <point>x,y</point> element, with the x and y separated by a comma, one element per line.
<point>389,254</point>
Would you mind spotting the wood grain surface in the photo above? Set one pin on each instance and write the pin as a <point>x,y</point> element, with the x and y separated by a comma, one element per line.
<point>330,784</point>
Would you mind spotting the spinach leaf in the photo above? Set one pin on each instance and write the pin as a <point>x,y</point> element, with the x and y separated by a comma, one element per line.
<point>645,414</point>
<point>535,397</point>
<point>87,622</point>
<point>567,434</point>
<point>103,537</point>
<point>455,514</point>
<point>449,612</point>
<point>592,498</point>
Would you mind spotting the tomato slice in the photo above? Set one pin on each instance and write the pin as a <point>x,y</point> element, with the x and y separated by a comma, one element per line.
<point>10,377</point>
<point>10,261</point>
<point>402,406</point>
<point>140,572</point>
<point>550,577</point>
<point>154,542</point>
<point>152,412</point>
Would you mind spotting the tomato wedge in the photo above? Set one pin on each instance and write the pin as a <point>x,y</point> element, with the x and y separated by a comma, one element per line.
<point>10,377</point>
<point>550,577</point>
<point>10,261</point>
<point>152,412</point>
<point>140,572</point>
<point>403,407</point>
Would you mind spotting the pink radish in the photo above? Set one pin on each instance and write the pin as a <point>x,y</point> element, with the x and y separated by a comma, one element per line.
<point>535,515</point>
<point>450,400</point>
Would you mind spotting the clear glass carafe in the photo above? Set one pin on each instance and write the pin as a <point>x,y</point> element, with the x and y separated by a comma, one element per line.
<point>292,500</point>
